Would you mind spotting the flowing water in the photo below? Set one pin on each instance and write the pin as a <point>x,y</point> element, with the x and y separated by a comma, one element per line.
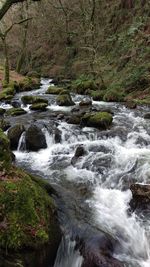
<point>95,189</point>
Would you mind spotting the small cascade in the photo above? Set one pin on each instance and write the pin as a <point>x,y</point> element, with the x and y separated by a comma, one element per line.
<point>22,143</point>
<point>67,255</point>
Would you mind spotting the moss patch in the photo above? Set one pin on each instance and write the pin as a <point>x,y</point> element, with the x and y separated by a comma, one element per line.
<point>29,99</point>
<point>15,112</point>
<point>54,90</point>
<point>39,106</point>
<point>5,153</point>
<point>101,120</point>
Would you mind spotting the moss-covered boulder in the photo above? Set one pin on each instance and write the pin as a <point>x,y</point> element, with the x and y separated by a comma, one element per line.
<point>28,84</point>
<point>14,134</point>
<point>4,125</point>
<point>85,103</point>
<point>54,90</point>
<point>39,106</point>
<point>5,153</point>
<point>65,100</point>
<point>2,111</point>
<point>30,99</point>
<point>7,93</point>
<point>15,112</point>
<point>83,84</point>
<point>101,120</point>
<point>74,119</point>
<point>35,138</point>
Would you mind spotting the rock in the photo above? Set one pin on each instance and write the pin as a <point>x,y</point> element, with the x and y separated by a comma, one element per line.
<point>14,134</point>
<point>101,120</point>
<point>86,102</point>
<point>35,138</point>
<point>54,90</point>
<point>75,109</point>
<point>74,119</point>
<point>65,100</point>
<point>60,116</point>
<point>140,197</point>
<point>30,99</point>
<point>28,84</point>
<point>97,251</point>
<point>147,116</point>
<point>4,125</point>
<point>80,151</point>
<point>39,106</point>
<point>16,104</point>
<point>131,105</point>
<point>2,111</point>
<point>15,112</point>
<point>57,135</point>
<point>5,153</point>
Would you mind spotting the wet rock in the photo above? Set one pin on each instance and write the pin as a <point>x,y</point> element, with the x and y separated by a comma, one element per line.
<point>15,104</point>
<point>2,111</point>
<point>74,119</point>
<point>85,102</point>
<point>30,99</point>
<point>35,138</point>
<point>147,116</point>
<point>15,112</point>
<point>80,152</point>
<point>57,135</point>
<point>101,120</point>
<point>75,109</point>
<point>14,134</point>
<point>65,100</point>
<point>131,105</point>
<point>140,197</point>
<point>97,251</point>
<point>54,90</point>
<point>60,116</point>
<point>39,106</point>
<point>4,125</point>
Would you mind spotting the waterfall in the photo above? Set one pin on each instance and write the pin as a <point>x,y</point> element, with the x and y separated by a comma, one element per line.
<point>67,256</point>
<point>22,143</point>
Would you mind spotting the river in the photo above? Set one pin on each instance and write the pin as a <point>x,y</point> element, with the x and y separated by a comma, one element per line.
<point>94,191</point>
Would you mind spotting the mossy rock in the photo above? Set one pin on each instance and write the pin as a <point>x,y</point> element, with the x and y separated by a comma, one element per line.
<point>81,85</point>
<point>54,90</point>
<point>101,120</point>
<point>97,95</point>
<point>65,100</point>
<point>28,84</point>
<point>5,97</point>
<point>5,153</point>
<point>74,119</point>
<point>27,213</point>
<point>2,111</point>
<point>29,99</point>
<point>4,125</point>
<point>14,134</point>
<point>15,112</point>
<point>64,92</point>
<point>39,106</point>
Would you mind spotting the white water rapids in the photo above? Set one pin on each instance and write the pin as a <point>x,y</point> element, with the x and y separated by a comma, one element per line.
<point>110,163</point>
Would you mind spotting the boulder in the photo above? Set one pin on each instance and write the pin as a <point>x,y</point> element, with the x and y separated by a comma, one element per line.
<point>4,125</point>
<point>147,116</point>
<point>15,104</point>
<point>80,151</point>
<point>30,99</point>
<point>39,106</point>
<point>74,119</point>
<point>85,103</point>
<point>15,112</point>
<point>2,111</point>
<point>65,100</point>
<point>14,134</point>
<point>5,152</point>
<point>57,135</point>
<point>131,105</point>
<point>54,90</point>
<point>140,197</point>
<point>101,120</point>
<point>35,138</point>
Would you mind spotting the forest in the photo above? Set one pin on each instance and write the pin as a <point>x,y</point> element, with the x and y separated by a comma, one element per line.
<point>74,133</point>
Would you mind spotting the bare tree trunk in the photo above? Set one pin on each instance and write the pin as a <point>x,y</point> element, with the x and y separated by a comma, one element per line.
<point>6,66</point>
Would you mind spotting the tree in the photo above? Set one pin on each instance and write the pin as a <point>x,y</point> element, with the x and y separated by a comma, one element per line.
<point>6,4</point>
<point>3,36</point>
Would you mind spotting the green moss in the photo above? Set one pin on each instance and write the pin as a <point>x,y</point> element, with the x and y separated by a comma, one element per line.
<point>54,90</point>
<point>39,106</point>
<point>27,211</point>
<point>15,112</point>
<point>4,125</point>
<point>65,100</point>
<point>84,83</point>
<point>2,111</point>
<point>5,153</point>
<point>101,120</point>
<point>28,84</point>
<point>114,94</point>
<point>29,99</point>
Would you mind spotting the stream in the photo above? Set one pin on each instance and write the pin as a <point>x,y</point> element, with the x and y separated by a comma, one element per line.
<point>93,192</point>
